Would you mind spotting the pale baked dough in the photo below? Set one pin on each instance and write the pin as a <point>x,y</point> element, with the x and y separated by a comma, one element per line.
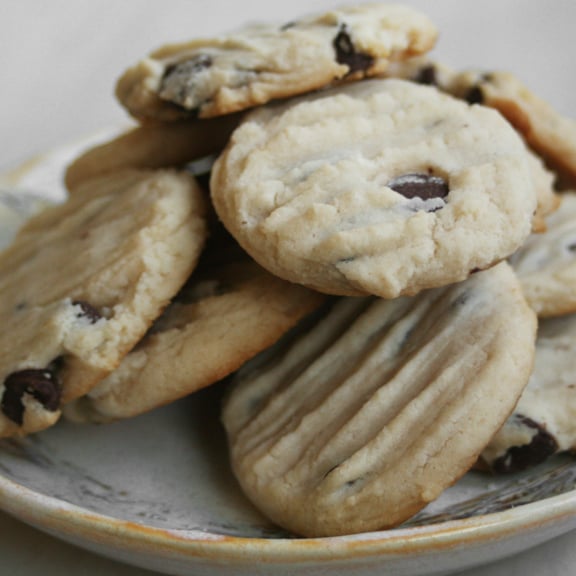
<point>382,187</point>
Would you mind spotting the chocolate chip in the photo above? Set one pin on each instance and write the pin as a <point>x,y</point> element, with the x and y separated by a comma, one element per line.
<point>188,67</point>
<point>289,25</point>
<point>425,186</point>
<point>571,247</point>
<point>178,78</point>
<point>475,95</point>
<point>41,384</point>
<point>87,311</point>
<point>427,75</point>
<point>518,458</point>
<point>346,53</point>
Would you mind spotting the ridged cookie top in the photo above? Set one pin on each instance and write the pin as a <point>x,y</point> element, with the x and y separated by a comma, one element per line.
<point>381,187</point>
<point>368,414</point>
<point>256,64</point>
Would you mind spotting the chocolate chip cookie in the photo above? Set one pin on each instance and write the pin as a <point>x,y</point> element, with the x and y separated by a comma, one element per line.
<point>383,187</point>
<point>256,64</point>
<point>544,421</point>
<point>229,310</point>
<point>376,406</point>
<point>546,263</point>
<point>84,280</point>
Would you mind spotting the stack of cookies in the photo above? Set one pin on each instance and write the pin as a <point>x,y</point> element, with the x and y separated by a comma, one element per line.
<point>379,249</point>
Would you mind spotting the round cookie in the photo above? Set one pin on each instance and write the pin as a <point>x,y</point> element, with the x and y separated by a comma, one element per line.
<point>162,145</point>
<point>259,63</point>
<point>544,420</point>
<point>83,281</point>
<point>546,263</point>
<point>381,187</point>
<point>229,310</point>
<point>369,413</point>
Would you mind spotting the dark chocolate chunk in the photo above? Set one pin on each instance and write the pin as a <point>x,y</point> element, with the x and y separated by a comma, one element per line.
<point>41,384</point>
<point>518,458</point>
<point>475,95</point>
<point>289,25</point>
<point>423,186</point>
<point>179,78</point>
<point>346,53</point>
<point>87,311</point>
<point>427,75</point>
<point>188,67</point>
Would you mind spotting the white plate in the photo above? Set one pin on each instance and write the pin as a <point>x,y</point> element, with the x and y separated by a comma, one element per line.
<point>156,491</point>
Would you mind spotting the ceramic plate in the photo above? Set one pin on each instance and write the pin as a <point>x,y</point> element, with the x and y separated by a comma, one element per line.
<point>157,491</point>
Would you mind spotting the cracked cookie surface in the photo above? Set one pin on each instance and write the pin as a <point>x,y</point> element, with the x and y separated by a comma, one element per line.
<point>383,187</point>
<point>229,310</point>
<point>260,63</point>
<point>84,280</point>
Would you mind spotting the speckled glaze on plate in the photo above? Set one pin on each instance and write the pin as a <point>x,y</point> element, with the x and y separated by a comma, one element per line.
<point>157,491</point>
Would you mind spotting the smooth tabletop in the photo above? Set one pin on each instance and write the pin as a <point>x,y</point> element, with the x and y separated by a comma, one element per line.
<point>59,62</point>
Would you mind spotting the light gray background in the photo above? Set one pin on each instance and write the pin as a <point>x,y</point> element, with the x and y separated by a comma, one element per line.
<point>59,60</point>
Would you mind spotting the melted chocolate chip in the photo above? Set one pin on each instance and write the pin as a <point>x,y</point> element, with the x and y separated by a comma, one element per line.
<point>178,78</point>
<point>423,186</point>
<point>475,95</point>
<point>346,53</point>
<point>518,458</point>
<point>289,25</point>
<point>427,75</point>
<point>188,67</point>
<point>87,311</point>
<point>42,385</point>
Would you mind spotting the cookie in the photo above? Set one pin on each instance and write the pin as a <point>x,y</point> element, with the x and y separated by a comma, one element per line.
<point>229,310</point>
<point>551,135</point>
<point>382,187</point>
<point>149,146</point>
<point>546,263</point>
<point>84,280</point>
<point>543,422</point>
<point>368,414</point>
<point>256,64</point>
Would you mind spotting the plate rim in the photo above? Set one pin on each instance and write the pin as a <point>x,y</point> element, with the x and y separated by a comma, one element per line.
<point>79,524</point>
